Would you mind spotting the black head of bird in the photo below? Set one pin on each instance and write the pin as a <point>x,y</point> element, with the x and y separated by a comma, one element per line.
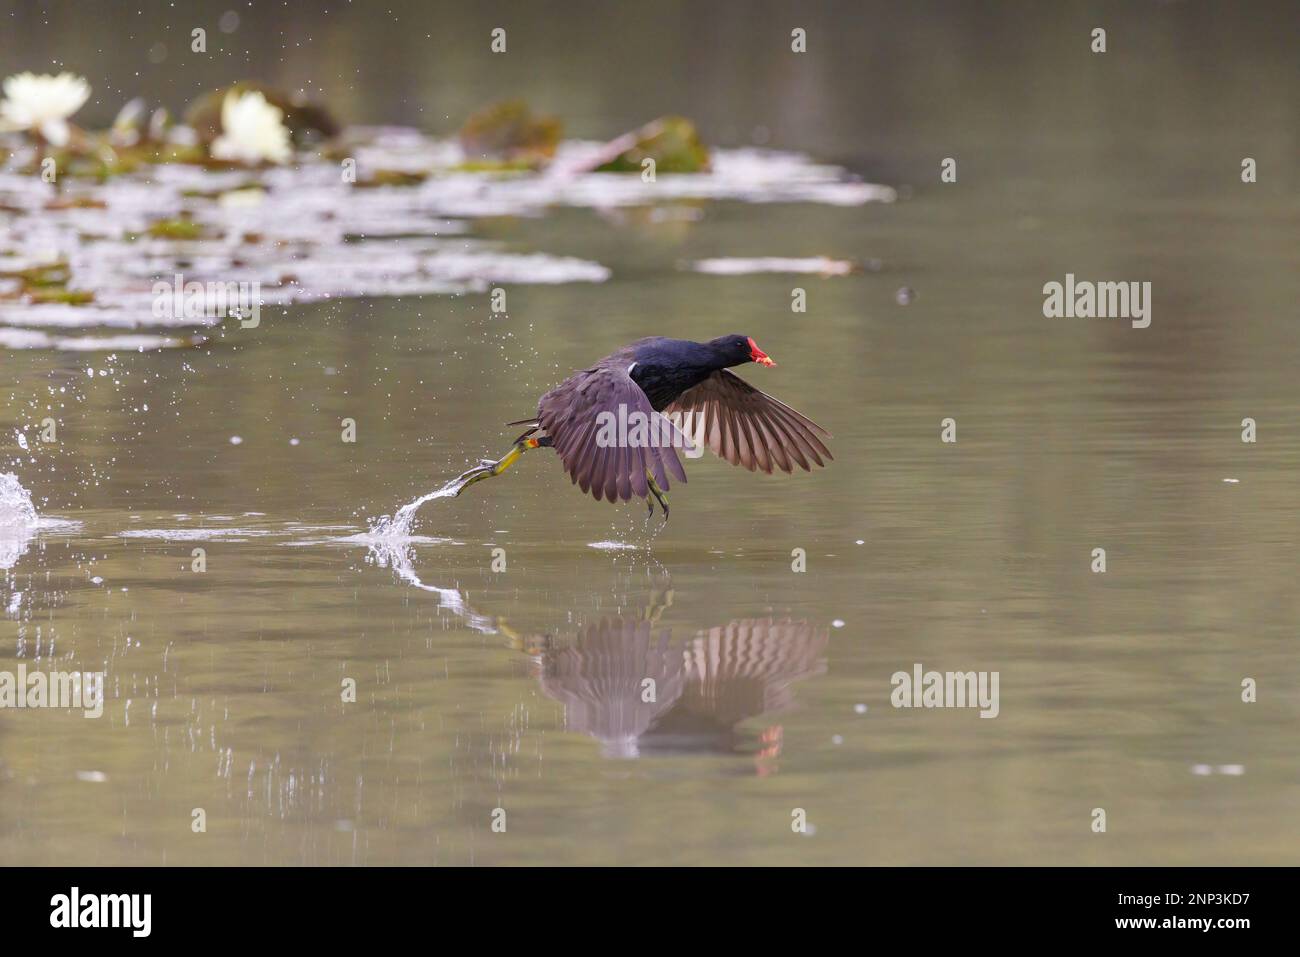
<point>738,350</point>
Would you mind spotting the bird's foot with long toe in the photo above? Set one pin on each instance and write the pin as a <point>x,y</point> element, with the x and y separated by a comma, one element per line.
<point>468,478</point>
<point>660,495</point>
<point>487,468</point>
<point>650,508</point>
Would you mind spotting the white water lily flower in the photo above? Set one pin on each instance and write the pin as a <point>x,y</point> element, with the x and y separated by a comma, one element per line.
<point>43,103</point>
<point>251,130</point>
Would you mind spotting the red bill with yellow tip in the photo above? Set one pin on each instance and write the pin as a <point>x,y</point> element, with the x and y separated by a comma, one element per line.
<point>758,355</point>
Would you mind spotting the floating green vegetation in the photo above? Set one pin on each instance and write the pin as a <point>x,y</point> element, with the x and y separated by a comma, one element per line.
<point>42,276</point>
<point>306,121</point>
<point>182,227</point>
<point>174,153</point>
<point>47,282</point>
<point>84,160</point>
<point>671,141</point>
<point>92,157</point>
<point>76,202</point>
<point>216,194</point>
<point>509,133</point>
<point>71,297</point>
<point>495,166</point>
<point>391,177</point>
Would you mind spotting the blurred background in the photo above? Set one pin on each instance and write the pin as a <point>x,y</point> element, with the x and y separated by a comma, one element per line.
<point>886,86</point>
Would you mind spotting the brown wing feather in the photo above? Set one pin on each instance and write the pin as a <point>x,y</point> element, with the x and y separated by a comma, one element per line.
<point>746,667</point>
<point>570,414</point>
<point>748,427</point>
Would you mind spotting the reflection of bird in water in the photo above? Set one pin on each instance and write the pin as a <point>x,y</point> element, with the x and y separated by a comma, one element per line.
<point>623,682</point>
<point>702,690</point>
<point>615,682</point>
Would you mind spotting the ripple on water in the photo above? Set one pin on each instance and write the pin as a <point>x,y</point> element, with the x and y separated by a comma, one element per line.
<point>740,266</point>
<point>35,339</point>
<point>202,534</point>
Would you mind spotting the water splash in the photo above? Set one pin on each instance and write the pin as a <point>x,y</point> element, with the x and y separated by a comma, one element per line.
<point>17,520</point>
<point>391,545</point>
<point>398,527</point>
<point>16,508</point>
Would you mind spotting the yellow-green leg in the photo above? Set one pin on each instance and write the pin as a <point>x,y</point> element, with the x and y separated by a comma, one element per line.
<point>659,601</point>
<point>660,495</point>
<point>529,644</point>
<point>487,468</point>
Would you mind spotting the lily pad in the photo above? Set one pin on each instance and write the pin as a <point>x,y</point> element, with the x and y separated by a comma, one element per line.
<point>180,228</point>
<point>71,297</point>
<point>391,177</point>
<point>671,141</point>
<point>46,274</point>
<point>510,133</point>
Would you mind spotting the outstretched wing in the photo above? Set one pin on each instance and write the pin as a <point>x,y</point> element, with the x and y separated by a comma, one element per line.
<point>599,678</point>
<point>571,414</point>
<point>746,667</point>
<point>748,427</point>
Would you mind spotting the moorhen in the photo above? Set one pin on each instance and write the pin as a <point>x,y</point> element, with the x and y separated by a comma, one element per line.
<point>617,426</point>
